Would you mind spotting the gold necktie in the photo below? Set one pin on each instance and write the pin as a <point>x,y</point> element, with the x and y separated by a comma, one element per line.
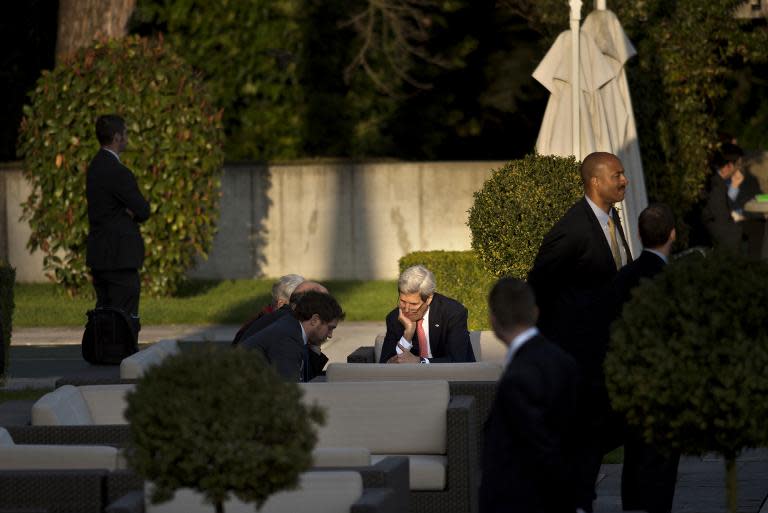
<point>614,243</point>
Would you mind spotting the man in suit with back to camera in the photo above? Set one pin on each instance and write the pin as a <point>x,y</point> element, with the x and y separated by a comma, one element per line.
<point>286,343</point>
<point>648,476</point>
<point>572,279</point>
<point>426,327</point>
<point>530,435</point>
<point>115,249</point>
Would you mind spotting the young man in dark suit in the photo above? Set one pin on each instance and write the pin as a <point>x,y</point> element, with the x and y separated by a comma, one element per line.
<point>426,327</point>
<point>572,279</point>
<point>723,214</point>
<point>115,249</point>
<point>286,343</point>
<point>648,476</point>
<point>528,460</point>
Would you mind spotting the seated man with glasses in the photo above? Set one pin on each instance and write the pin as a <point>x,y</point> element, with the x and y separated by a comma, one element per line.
<point>426,327</point>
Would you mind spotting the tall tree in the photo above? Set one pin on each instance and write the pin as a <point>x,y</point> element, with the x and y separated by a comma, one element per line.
<point>82,21</point>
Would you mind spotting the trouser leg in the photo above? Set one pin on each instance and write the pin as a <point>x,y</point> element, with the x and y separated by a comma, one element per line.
<point>119,289</point>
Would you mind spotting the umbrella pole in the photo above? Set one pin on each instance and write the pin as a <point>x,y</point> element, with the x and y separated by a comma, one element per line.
<point>600,5</point>
<point>575,78</point>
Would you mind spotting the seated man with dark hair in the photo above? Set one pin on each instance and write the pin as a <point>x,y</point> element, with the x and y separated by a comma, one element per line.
<point>288,342</point>
<point>426,327</point>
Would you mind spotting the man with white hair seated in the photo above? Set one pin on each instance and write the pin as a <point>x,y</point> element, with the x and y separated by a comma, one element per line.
<point>281,294</point>
<point>426,327</point>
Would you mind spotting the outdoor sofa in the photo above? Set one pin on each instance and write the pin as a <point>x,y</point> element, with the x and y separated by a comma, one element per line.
<point>417,419</point>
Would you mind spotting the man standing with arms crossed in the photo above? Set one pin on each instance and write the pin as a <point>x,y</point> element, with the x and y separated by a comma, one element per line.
<point>115,249</point>
<point>572,279</point>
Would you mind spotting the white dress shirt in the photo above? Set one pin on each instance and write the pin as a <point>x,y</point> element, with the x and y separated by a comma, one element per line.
<point>602,218</point>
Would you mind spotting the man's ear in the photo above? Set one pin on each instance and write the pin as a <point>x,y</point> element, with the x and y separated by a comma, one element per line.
<point>429,299</point>
<point>314,320</point>
<point>673,235</point>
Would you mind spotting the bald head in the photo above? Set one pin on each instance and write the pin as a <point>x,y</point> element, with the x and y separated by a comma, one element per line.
<point>306,286</point>
<point>603,177</point>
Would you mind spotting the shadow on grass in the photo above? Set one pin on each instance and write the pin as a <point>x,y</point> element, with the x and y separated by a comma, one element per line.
<point>192,288</point>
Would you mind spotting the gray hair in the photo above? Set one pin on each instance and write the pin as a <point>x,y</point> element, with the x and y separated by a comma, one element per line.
<point>417,279</point>
<point>284,287</point>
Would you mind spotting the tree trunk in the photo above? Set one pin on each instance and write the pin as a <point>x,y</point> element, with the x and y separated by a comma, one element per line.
<point>219,506</point>
<point>82,21</point>
<point>731,483</point>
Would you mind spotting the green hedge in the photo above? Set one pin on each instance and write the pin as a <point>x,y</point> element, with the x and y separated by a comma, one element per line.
<point>517,206</point>
<point>7,282</point>
<point>174,149</point>
<point>459,275</point>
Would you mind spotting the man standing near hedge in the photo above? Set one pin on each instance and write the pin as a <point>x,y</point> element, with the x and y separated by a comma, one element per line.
<point>572,279</point>
<point>115,249</point>
<point>426,327</point>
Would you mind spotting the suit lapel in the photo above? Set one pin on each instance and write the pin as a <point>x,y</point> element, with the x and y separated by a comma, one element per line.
<point>435,322</point>
<point>599,234</point>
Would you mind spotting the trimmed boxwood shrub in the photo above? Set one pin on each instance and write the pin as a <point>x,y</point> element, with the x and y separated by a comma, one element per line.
<point>688,357</point>
<point>221,422</point>
<point>459,275</point>
<point>517,206</point>
<point>7,283</point>
<point>174,150</point>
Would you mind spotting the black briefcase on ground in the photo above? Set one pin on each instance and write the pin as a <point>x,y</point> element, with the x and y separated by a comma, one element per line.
<point>109,336</point>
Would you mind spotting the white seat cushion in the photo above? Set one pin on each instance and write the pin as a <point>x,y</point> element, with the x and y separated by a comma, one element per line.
<point>427,470</point>
<point>475,371</point>
<point>106,403</point>
<point>49,457</point>
<point>318,492</point>
<point>65,406</point>
<point>134,366</point>
<point>395,417</point>
<point>341,457</point>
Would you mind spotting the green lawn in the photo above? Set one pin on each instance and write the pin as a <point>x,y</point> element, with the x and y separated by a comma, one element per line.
<point>25,394</point>
<point>198,302</point>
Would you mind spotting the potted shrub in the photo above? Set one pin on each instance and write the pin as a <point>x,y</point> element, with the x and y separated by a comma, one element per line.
<point>517,206</point>
<point>221,422</point>
<point>688,358</point>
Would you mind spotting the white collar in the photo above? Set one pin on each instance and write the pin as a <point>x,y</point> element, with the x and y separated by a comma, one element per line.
<point>658,254</point>
<point>518,342</point>
<point>303,334</point>
<point>601,215</point>
<point>112,152</point>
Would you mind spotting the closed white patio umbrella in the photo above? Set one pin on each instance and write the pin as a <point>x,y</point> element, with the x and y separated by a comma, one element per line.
<point>607,122</point>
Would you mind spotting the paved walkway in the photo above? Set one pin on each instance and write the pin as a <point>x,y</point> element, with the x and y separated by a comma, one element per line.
<point>39,356</point>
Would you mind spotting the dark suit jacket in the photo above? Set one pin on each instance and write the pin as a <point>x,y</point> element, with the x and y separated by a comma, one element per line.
<point>259,323</point>
<point>528,459</point>
<point>646,266</point>
<point>114,240</point>
<point>283,347</point>
<point>572,279</point>
<point>448,333</point>
<point>716,214</point>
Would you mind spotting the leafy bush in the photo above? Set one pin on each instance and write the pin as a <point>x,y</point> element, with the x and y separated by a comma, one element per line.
<point>250,60</point>
<point>7,283</point>
<point>220,422</point>
<point>174,150</point>
<point>517,206</point>
<point>459,275</point>
<point>687,358</point>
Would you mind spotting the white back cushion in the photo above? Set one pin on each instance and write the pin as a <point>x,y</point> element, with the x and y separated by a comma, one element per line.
<point>106,403</point>
<point>5,437</point>
<point>476,371</point>
<point>50,457</point>
<point>341,457</point>
<point>63,407</point>
<point>318,492</point>
<point>377,345</point>
<point>396,417</point>
<point>491,347</point>
<point>137,364</point>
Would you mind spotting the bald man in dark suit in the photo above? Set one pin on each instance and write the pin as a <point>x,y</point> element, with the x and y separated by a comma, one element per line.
<point>572,278</point>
